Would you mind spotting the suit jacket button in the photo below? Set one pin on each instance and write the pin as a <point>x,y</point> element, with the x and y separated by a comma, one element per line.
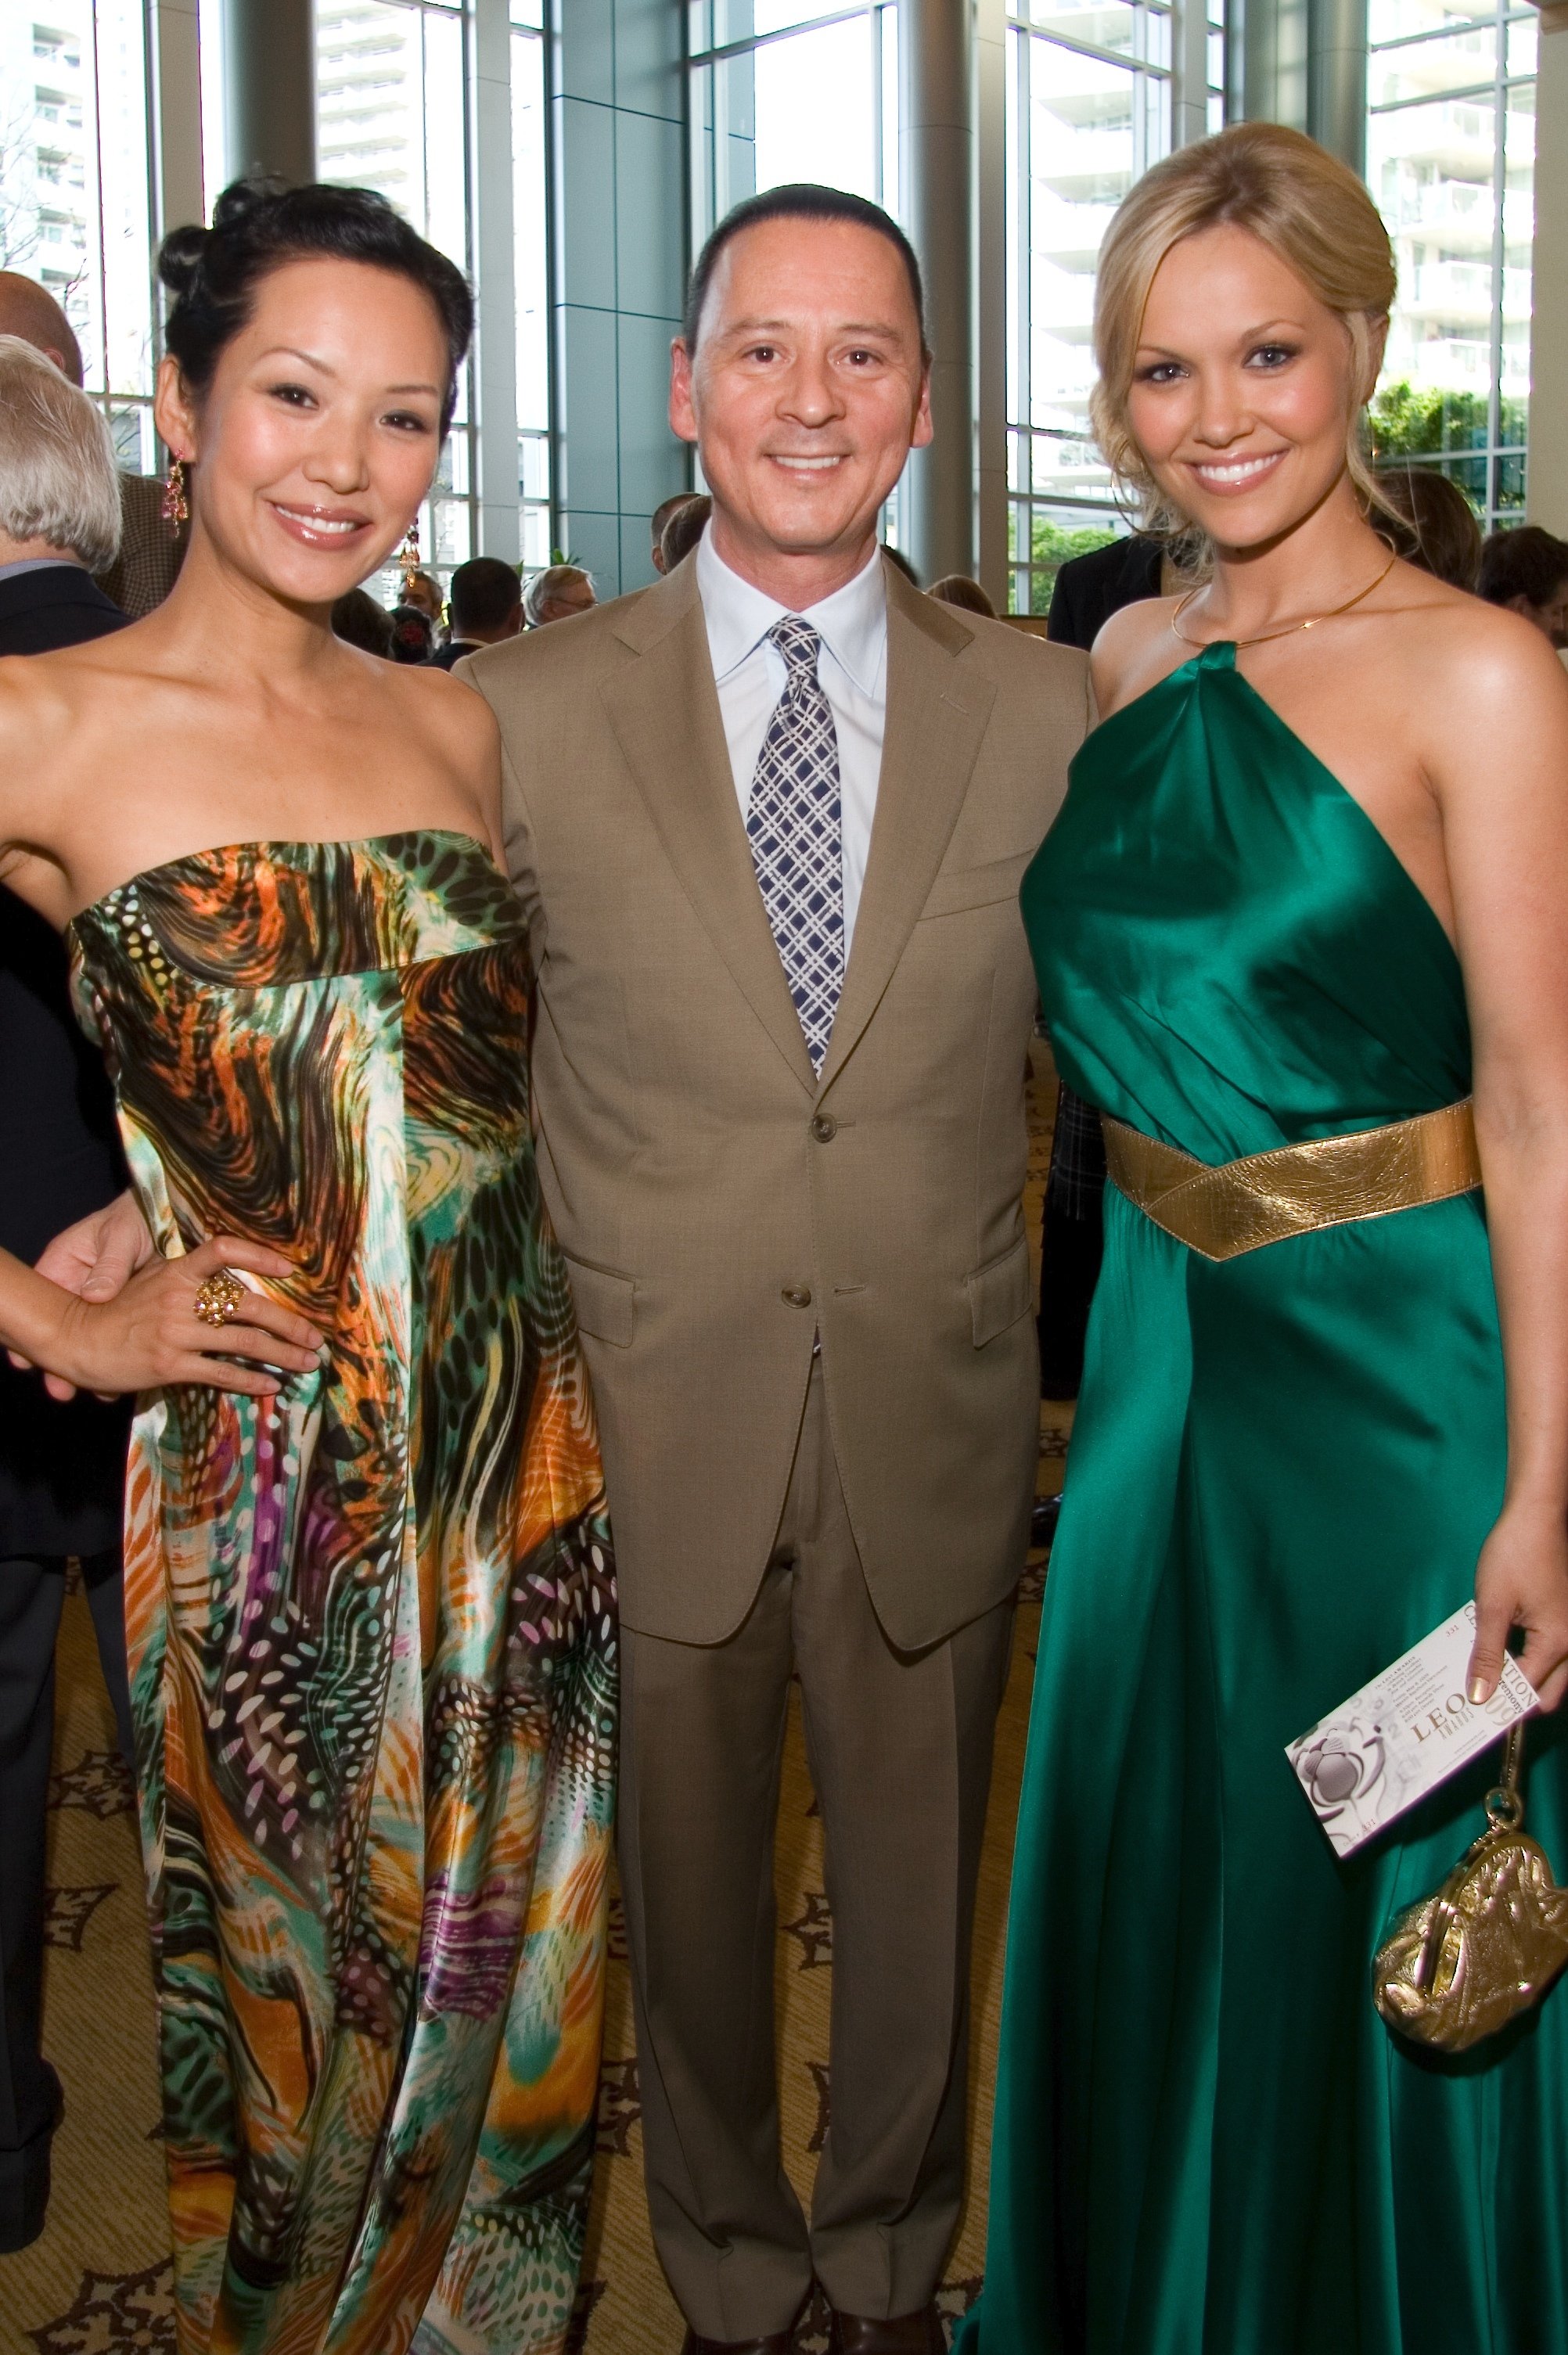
<point>825,1128</point>
<point>796,1296</point>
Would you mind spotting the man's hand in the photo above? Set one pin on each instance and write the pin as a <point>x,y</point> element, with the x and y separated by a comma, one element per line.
<point>96,1260</point>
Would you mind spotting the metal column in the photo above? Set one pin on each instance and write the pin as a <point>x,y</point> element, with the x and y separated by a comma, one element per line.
<point>174,85</point>
<point>1189,72</point>
<point>1547,475</point>
<point>495,283</point>
<point>1336,78</point>
<point>936,148</point>
<point>269,89</point>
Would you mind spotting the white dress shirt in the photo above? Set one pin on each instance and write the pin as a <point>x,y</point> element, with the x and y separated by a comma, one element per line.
<point>852,670</point>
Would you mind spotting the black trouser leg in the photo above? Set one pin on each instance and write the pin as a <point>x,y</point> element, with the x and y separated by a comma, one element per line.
<point>1073,1244</point>
<point>103,1575</point>
<point>31,1592</point>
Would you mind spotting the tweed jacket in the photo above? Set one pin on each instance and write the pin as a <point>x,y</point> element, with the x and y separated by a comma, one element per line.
<point>720,1207</point>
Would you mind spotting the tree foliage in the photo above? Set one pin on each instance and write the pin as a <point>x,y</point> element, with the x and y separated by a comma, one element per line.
<point>1050,547</point>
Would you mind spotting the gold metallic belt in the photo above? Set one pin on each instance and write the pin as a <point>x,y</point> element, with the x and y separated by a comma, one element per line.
<point>1241,1205</point>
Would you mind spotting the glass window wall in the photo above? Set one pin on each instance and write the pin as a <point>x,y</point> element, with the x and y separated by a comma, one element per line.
<point>1450,159</point>
<point>393,84</point>
<point>75,192</point>
<point>392,114</point>
<point>785,90</point>
<point>1088,109</point>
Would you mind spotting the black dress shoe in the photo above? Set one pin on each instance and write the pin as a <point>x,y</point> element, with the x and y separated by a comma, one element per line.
<point>1043,1522</point>
<point>901,2334</point>
<point>20,2226</point>
<point>777,2342</point>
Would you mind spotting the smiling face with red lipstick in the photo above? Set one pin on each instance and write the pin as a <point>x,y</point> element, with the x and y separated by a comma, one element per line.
<point>318,435</point>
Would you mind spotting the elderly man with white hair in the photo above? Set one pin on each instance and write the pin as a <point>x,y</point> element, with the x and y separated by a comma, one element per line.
<point>60,507</point>
<point>558,593</point>
<point>141,576</point>
<point>62,1467</point>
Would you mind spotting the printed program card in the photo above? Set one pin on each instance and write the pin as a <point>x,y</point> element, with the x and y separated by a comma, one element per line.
<point>1400,1736</point>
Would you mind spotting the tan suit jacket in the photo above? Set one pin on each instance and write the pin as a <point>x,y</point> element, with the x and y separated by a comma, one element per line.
<point>718,1207</point>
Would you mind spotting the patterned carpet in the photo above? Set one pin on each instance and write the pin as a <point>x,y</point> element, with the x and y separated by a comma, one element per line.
<point>97,2281</point>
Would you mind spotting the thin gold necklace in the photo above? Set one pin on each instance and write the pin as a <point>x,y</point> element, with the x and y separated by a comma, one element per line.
<point>1290,628</point>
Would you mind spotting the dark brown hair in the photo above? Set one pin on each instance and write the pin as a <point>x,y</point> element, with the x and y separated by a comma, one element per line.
<point>1527,562</point>
<point>797,200</point>
<point>258,225</point>
<point>1432,524</point>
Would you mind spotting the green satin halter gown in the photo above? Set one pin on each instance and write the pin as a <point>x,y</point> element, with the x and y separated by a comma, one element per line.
<point>1282,1469</point>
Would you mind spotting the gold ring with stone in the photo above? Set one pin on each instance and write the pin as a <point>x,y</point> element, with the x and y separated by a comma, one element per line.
<point>219,1299</point>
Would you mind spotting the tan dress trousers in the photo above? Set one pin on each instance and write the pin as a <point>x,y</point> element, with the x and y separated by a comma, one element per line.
<point>900,1750</point>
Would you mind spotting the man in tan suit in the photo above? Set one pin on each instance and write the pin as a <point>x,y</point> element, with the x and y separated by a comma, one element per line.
<point>769,819</point>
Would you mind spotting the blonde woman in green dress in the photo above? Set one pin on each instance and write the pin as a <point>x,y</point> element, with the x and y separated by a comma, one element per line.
<point>1311,878</point>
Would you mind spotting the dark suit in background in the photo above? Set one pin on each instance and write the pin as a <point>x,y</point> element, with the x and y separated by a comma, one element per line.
<point>446,657</point>
<point>1087,591</point>
<point>62,1467</point>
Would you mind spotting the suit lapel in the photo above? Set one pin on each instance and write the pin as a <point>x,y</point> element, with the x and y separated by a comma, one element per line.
<point>664,709</point>
<point>936,716</point>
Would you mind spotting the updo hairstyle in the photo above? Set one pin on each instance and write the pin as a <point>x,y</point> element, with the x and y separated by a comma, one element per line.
<point>257,225</point>
<point>1305,206</point>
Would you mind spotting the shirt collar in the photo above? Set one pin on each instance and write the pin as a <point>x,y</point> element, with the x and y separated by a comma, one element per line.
<point>852,623</point>
<point>39,564</point>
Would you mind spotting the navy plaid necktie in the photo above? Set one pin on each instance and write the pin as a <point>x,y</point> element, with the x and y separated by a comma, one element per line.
<point>794,826</point>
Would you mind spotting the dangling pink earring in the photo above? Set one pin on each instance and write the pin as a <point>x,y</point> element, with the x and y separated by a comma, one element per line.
<point>176,508</point>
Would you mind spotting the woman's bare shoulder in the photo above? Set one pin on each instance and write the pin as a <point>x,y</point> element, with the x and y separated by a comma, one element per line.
<point>459,728</point>
<point>1483,691</point>
<point>1133,652</point>
<point>41,701</point>
<point>1471,660</point>
<point>442,704</point>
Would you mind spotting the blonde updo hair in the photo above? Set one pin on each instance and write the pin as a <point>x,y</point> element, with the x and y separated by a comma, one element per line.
<point>1305,206</point>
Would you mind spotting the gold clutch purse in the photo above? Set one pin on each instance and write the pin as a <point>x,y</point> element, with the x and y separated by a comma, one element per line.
<point>1459,1965</point>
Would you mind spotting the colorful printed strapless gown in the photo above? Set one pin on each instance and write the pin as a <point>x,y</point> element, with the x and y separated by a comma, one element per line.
<point>371,1620</point>
<point>1282,1469</point>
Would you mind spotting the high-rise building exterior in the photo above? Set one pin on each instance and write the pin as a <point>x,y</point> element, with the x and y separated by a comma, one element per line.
<point>75,188</point>
<point>1450,161</point>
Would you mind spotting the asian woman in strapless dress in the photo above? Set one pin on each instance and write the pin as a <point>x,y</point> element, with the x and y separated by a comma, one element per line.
<point>1310,880</point>
<point>370,1598</point>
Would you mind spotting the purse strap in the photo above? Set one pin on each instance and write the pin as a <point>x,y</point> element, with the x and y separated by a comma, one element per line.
<point>1505,1800</point>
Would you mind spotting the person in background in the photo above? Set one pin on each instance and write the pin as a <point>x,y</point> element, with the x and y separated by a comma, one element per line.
<point>1527,570</point>
<point>359,621</point>
<point>1433,524</point>
<point>556,594</point>
<point>1086,592</point>
<point>422,591</point>
<point>147,561</point>
<point>1089,589</point>
<point>957,589</point>
<point>683,530</point>
<point>413,635</point>
<point>659,519</point>
<point>486,608</point>
<point>61,1467</point>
